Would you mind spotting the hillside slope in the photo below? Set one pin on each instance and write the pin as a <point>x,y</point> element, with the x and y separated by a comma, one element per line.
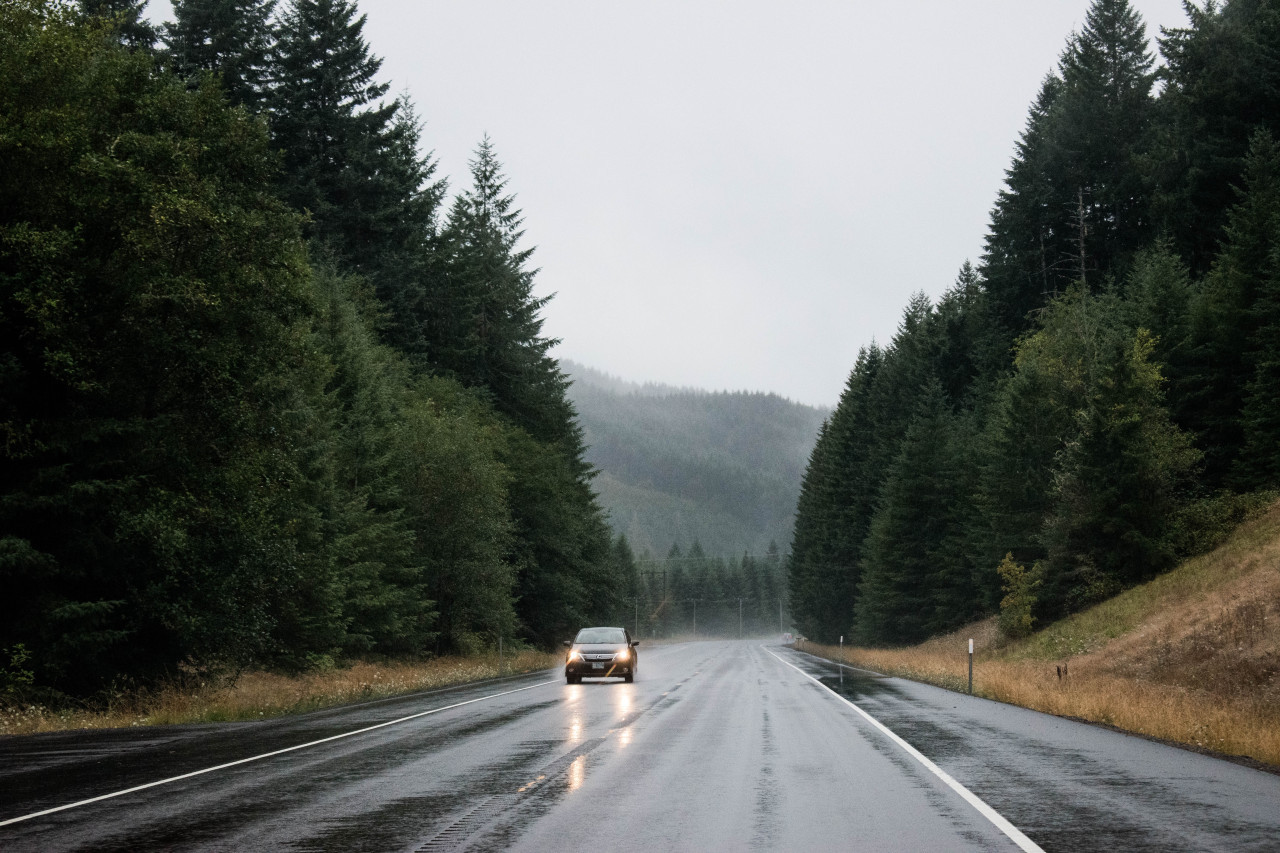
<point>1193,656</point>
<point>679,465</point>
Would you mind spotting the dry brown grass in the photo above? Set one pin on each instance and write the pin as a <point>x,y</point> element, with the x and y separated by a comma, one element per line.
<point>259,695</point>
<point>1191,657</point>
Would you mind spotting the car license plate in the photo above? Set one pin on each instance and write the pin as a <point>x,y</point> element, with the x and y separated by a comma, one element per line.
<point>597,666</point>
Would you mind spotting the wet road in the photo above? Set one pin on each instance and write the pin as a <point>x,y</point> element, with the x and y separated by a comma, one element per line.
<point>717,746</point>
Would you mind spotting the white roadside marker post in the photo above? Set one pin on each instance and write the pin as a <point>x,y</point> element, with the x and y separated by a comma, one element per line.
<point>842,660</point>
<point>970,666</point>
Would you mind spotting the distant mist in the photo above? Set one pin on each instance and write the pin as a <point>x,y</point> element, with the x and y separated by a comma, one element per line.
<point>684,465</point>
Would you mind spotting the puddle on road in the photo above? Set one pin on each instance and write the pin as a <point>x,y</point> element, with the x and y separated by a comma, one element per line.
<point>855,685</point>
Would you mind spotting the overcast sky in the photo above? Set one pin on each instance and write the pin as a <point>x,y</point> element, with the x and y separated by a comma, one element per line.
<point>732,194</point>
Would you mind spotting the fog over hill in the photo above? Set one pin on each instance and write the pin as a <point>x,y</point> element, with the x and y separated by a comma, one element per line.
<point>679,465</point>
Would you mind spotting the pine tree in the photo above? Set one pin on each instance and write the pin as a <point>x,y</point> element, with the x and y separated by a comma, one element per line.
<point>837,500</point>
<point>329,119</point>
<point>1222,85</point>
<point>1076,203</point>
<point>1226,321</point>
<point>1259,464</point>
<point>490,336</point>
<point>1119,466</point>
<point>231,39</point>
<point>1100,132</point>
<point>151,363</point>
<point>128,19</point>
<point>1026,245</point>
<point>907,567</point>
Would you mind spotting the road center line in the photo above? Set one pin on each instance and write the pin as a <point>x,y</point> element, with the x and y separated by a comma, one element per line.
<point>269,754</point>
<point>1015,835</point>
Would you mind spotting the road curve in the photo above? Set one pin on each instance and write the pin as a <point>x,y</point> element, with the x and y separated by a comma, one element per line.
<point>718,745</point>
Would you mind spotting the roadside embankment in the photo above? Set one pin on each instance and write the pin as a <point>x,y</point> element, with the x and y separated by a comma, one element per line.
<point>259,695</point>
<point>1191,657</point>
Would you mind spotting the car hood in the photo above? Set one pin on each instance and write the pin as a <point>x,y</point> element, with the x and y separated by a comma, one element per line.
<point>599,648</point>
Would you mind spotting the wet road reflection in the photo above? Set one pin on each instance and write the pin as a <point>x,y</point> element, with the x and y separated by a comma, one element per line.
<point>577,771</point>
<point>718,746</point>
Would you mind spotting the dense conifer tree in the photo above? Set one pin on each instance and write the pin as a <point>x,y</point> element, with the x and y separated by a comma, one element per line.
<point>1076,201</point>
<point>231,39</point>
<point>1121,463</point>
<point>1100,129</point>
<point>153,294</point>
<point>910,577</point>
<point>491,334</point>
<point>1222,85</point>
<point>128,20</point>
<point>1227,318</point>
<point>1065,455</point>
<point>837,499</point>
<point>337,133</point>
<point>1026,246</point>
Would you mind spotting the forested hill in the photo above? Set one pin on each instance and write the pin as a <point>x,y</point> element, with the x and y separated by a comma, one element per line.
<point>679,465</point>
<point>1100,395</point>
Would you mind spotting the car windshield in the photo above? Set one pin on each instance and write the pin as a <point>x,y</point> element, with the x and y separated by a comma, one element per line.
<point>601,635</point>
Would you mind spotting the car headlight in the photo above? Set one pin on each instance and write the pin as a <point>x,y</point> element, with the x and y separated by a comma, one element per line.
<point>625,654</point>
<point>574,655</point>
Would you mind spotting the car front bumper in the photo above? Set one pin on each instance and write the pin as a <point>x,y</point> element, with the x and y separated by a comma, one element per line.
<point>598,669</point>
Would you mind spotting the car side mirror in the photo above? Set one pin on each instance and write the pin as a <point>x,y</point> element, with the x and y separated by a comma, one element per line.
<point>635,643</point>
<point>568,644</point>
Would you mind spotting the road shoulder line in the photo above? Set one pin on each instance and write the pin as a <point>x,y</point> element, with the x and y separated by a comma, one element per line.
<point>159,782</point>
<point>1001,823</point>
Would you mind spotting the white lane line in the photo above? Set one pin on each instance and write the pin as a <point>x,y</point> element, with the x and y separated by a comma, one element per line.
<point>1015,835</point>
<point>268,754</point>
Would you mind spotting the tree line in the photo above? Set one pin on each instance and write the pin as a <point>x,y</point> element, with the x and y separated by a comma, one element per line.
<point>692,594</point>
<point>1100,395</point>
<point>269,396</point>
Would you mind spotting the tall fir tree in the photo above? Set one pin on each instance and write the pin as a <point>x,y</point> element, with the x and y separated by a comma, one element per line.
<point>128,19</point>
<point>906,592</point>
<point>330,119</point>
<point>231,39</point>
<point>490,324</point>
<point>837,500</point>
<point>1221,85</point>
<point>1076,202</point>
<point>1023,256</point>
<point>1226,320</point>
<point>1100,134</point>
<point>153,299</point>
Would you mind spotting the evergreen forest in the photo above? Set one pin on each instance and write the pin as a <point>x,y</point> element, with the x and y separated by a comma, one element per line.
<point>690,594</point>
<point>1099,396</point>
<point>273,393</point>
<point>683,466</point>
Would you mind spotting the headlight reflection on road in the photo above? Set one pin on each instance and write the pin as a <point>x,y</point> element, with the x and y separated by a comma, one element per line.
<point>577,772</point>
<point>624,738</point>
<point>575,730</point>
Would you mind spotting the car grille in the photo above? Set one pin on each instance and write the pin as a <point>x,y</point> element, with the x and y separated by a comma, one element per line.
<point>597,657</point>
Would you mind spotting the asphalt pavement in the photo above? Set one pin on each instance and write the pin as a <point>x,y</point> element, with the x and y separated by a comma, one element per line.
<point>718,745</point>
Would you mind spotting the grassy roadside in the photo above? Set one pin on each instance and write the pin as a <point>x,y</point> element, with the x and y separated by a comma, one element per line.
<point>260,695</point>
<point>1191,657</point>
